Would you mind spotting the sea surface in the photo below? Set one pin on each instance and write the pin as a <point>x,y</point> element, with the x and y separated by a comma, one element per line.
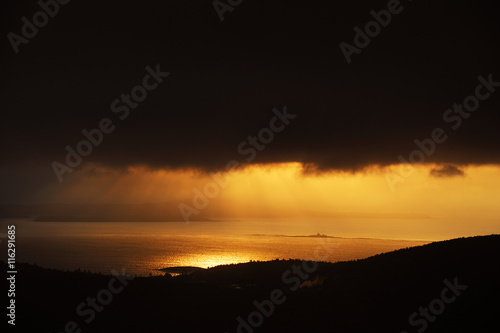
<point>141,248</point>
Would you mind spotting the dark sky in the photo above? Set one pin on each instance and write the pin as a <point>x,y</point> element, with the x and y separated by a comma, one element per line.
<point>226,77</point>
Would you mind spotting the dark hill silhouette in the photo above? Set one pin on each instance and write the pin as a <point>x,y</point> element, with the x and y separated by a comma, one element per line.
<point>377,294</point>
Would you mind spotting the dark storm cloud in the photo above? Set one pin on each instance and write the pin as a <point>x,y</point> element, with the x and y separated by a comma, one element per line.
<point>446,171</point>
<point>226,77</point>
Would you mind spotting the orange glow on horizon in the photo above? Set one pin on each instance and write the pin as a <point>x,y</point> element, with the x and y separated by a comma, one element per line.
<point>285,190</point>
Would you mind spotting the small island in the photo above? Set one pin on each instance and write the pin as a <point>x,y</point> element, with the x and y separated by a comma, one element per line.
<point>181,270</point>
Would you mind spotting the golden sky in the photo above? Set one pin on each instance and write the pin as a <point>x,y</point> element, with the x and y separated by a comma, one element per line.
<point>285,190</point>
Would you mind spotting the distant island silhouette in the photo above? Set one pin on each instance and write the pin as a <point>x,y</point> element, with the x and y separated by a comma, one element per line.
<point>161,212</point>
<point>318,235</point>
<point>140,218</point>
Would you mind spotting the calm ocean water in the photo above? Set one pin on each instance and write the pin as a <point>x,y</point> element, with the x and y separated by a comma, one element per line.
<point>142,248</point>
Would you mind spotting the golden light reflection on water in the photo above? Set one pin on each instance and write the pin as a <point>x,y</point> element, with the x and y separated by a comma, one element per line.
<point>211,259</point>
<point>233,250</point>
<point>145,248</point>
